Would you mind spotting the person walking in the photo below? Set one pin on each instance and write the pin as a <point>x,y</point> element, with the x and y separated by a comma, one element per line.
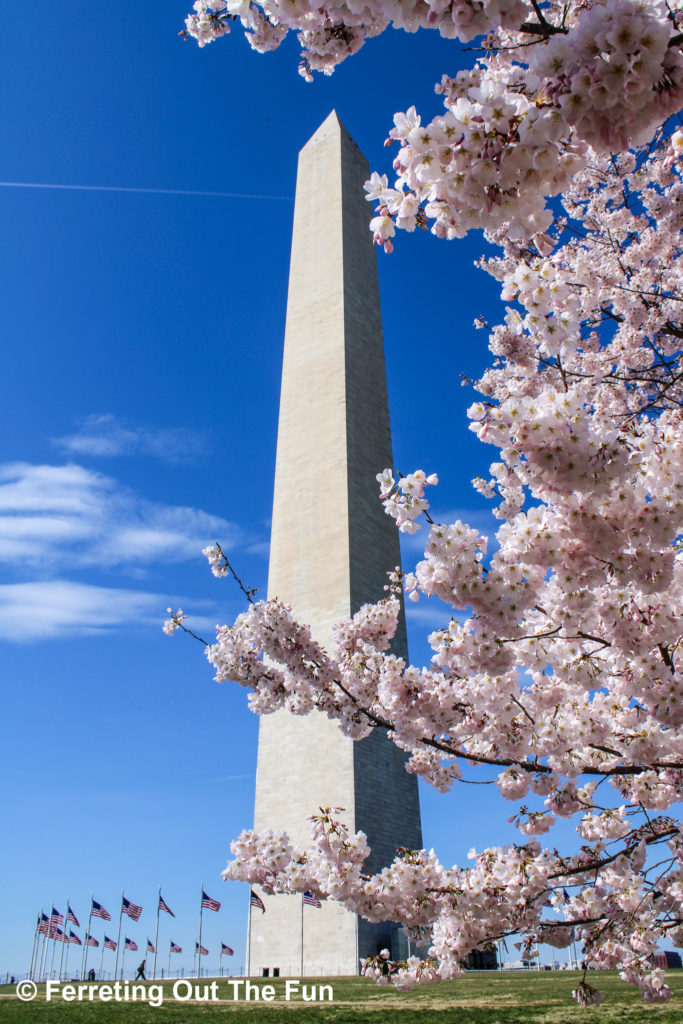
<point>141,971</point>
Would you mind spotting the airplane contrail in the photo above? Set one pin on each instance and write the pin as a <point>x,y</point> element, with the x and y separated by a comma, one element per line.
<point>147,191</point>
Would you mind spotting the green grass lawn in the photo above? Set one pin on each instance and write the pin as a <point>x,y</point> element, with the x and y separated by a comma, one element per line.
<point>510,998</point>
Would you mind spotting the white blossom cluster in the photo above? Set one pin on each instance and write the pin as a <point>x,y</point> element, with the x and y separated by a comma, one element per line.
<point>175,622</point>
<point>507,890</point>
<point>490,161</point>
<point>216,560</point>
<point>405,502</point>
<point>205,25</point>
<point>555,80</point>
<point>329,35</point>
<point>615,75</point>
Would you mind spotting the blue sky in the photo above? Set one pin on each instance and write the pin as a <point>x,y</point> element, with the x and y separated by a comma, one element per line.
<point>142,337</point>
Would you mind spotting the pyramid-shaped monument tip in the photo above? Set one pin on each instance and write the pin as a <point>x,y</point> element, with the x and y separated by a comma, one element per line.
<point>331,125</point>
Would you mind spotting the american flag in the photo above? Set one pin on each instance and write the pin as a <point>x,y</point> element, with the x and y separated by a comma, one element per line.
<point>89,941</point>
<point>72,937</point>
<point>70,916</point>
<point>209,903</point>
<point>163,905</point>
<point>202,950</point>
<point>56,917</point>
<point>109,943</point>
<point>131,909</point>
<point>129,944</point>
<point>310,900</point>
<point>53,931</point>
<point>256,901</point>
<point>99,911</point>
<point>42,927</point>
<point>175,948</point>
<point>565,896</point>
<point>58,935</point>
<point>225,950</point>
<point>150,947</point>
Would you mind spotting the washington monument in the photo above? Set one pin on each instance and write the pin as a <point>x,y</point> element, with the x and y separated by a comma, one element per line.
<point>331,547</point>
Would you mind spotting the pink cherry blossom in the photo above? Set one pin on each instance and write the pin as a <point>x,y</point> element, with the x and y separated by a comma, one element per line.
<point>560,675</point>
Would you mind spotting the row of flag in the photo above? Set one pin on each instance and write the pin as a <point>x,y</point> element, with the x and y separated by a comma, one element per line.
<point>128,944</point>
<point>131,909</point>
<point>203,951</point>
<point>54,925</point>
<point>134,911</point>
<point>50,925</point>
<point>62,936</point>
<point>309,900</point>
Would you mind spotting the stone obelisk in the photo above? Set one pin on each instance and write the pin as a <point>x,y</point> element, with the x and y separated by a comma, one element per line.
<point>331,547</point>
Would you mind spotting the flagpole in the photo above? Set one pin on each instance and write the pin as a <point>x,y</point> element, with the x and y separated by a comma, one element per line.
<point>123,955</point>
<point>33,950</point>
<point>84,960</point>
<point>302,935</point>
<point>169,960</point>
<point>61,955</point>
<point>156,936</point>
<point>42,954</point>
<point>46,936</point>
<point>36,943</point>
<point>199,951</point>
<point>249,937</point>
<point>42,951</point>
<point>54,946</point>
<point>66,959</point>
<point>39,965</point>
<point>47,947</point>
<point>53,936</point>
<point>102,960</point>
<point>118,942</point>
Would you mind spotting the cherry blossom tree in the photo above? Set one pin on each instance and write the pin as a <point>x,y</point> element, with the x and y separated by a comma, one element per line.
<point>557,78</point>
<point>563,675</point>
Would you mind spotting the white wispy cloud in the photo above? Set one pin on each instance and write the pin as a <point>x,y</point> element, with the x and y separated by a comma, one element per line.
<point>56,516</point>
<point>230,778</point>
<point>104,436</point>
<point>38,611</point>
